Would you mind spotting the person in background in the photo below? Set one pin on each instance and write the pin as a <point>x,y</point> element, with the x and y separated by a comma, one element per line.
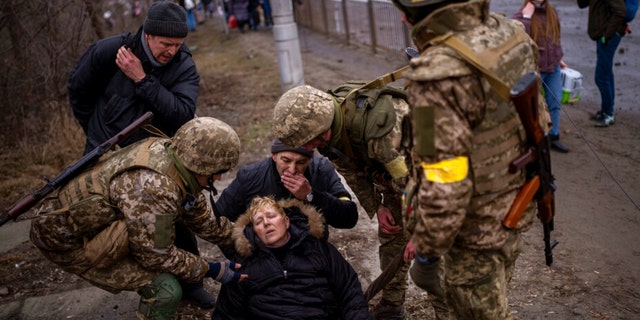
<point>207,7</point>
<point>464,136</point>
<point>541,21</point>
<point>240,9</point>
<point>606,27</point>
<point>113,225</point>
<point>293,273</point>
<point>190,8</point>
<point>268,18</point>
<point>120,78</point>
<point>254,14</point>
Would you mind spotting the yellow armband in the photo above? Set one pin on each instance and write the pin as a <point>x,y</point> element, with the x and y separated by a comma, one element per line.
<point>205,214</point>
<point>446,171</point>
<point>397,167</point>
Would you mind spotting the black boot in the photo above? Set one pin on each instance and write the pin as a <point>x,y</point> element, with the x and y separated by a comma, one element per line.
<point>386,310</point>
<point>557,145</point>
<point>196,294</point>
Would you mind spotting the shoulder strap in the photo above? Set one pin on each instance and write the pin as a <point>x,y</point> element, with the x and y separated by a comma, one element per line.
<point>461,48</point>
<point>375,83</point>
<point>380,81</point>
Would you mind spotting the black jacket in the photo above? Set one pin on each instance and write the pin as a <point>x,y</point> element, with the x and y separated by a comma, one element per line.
<point>606,17</point>
<point>311,280</point>
<point>262,179</point>
<point>105,100</point>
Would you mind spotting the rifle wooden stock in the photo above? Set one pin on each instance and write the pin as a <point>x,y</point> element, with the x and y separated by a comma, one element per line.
<point>522,200</point>
<point>29,201</point>
<point>22,206</point>
<point>537,161</point>
<point>524,95</point>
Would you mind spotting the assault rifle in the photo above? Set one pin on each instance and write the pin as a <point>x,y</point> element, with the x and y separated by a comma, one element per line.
<point>537,162</point>
<point>88,159</point>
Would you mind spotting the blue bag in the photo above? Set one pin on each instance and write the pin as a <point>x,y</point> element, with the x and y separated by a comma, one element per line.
<point>632,8</point>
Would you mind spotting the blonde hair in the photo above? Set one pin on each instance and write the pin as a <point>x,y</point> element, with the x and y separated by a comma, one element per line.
<point>260,203</point>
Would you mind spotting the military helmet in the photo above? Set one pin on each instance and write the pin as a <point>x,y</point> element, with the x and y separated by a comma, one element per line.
<point>416,9</point>
<point>301,114</point>
<point>207,146</point>
<point>417,3</point>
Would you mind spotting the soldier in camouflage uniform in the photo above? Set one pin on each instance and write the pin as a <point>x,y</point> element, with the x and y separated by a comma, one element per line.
<point>113,224</point>
<point>377,172</point>
<point>464,138</point>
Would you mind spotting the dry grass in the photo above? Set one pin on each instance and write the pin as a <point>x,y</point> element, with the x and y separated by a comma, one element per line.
<point>37,146</point>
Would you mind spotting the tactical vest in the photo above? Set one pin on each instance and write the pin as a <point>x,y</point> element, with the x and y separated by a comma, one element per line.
<point>87,196</point>
<point>499,138</point>
<point>369,113</point>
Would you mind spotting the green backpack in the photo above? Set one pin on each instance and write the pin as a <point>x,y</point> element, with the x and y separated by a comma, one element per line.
<point>368,108</point>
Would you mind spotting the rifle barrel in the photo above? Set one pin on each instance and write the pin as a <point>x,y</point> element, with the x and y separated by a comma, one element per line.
<point>29,201</point>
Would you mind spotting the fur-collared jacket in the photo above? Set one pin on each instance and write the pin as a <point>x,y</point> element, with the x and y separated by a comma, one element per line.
<point>309,279</point>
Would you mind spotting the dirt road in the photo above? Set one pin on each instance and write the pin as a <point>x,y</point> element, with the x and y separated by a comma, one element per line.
<point>596,269</point>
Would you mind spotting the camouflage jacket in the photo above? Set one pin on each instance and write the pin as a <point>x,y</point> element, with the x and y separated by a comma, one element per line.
<point>457,115</point>
<point>143,188</point>
<point>366,173</point>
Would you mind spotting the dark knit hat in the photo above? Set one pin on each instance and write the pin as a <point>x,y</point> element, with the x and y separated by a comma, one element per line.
<point>166,19</point>
<point>278,146</point>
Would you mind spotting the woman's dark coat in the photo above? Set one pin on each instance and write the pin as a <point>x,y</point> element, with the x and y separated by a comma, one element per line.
<point>312,281</point>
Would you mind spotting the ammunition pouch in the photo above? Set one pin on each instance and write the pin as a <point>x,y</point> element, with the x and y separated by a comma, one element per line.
<point>91,214</point>
<point>109,246</point>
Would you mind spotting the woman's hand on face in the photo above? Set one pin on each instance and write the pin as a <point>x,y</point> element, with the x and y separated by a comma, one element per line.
<point>528,10</point>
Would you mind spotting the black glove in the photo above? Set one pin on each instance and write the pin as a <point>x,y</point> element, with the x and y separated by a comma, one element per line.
<point>225,272</point>
<point>624,30</point>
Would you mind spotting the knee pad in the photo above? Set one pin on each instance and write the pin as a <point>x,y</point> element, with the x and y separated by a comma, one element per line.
<point>160,299</point>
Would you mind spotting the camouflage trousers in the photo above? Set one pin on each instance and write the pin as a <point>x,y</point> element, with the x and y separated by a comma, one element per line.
<point>476,280</point>
<point>54,236</point>
<point>430,278</point>
<point>390,246</point>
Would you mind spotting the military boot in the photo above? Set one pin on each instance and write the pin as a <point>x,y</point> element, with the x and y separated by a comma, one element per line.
<point>196,294</point>
<point>386,310</point>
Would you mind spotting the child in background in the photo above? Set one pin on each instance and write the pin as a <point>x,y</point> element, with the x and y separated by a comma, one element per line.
<point>541,21</point>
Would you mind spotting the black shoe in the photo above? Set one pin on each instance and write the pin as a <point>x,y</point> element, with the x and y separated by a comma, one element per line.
<point>196,294</point>
<point>606,121</point>
<point>385,310</point>
<point>597,116</point>
<point>557,145</point>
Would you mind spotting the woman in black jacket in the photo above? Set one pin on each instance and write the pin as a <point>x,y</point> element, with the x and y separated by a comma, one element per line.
<point>293,273</point>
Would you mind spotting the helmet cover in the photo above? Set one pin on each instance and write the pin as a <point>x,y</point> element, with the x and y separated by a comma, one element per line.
<point>301,114</point>
<point>207,145</point>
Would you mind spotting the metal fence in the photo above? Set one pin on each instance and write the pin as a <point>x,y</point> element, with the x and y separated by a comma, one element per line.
<point>372,23</point>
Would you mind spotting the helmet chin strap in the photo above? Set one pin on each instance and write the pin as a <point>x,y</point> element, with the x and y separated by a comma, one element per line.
<point>213,192</point>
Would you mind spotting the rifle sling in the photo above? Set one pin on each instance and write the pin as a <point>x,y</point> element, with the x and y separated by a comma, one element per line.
<point>385,277</point>
<point>375,83</point>
<point>461,48</point>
